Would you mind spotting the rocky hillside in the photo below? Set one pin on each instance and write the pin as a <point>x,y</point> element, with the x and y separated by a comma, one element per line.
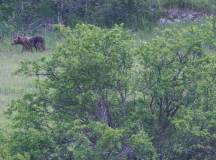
<point>181,15</point>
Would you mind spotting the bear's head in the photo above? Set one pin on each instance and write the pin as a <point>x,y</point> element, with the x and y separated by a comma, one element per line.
<point>18,40</point>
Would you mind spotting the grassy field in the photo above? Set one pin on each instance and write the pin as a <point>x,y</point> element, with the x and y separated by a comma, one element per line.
<point>12,86</point>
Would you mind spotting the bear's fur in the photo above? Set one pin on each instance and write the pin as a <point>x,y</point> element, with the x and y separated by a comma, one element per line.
<point>38,43</point>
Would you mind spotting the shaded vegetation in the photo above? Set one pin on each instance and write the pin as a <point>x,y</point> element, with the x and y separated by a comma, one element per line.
<point>33,16</point>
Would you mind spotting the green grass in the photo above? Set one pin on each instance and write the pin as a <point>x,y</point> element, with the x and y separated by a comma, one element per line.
<point>13,86</point>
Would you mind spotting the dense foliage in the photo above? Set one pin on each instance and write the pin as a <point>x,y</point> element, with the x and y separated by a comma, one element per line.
<point>32,15</point>
<point>102,96</point>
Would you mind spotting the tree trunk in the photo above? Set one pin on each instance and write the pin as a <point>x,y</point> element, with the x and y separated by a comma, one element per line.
<point>60,8</point>
<point>122,94</point>
<point>102,112</point>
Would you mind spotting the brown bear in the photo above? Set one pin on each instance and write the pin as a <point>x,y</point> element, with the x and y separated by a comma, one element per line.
<point>24,41</point>
<point>29,43</point>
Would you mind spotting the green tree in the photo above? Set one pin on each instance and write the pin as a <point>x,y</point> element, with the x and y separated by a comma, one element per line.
<point>175,75</point>
<point>79,108</point>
